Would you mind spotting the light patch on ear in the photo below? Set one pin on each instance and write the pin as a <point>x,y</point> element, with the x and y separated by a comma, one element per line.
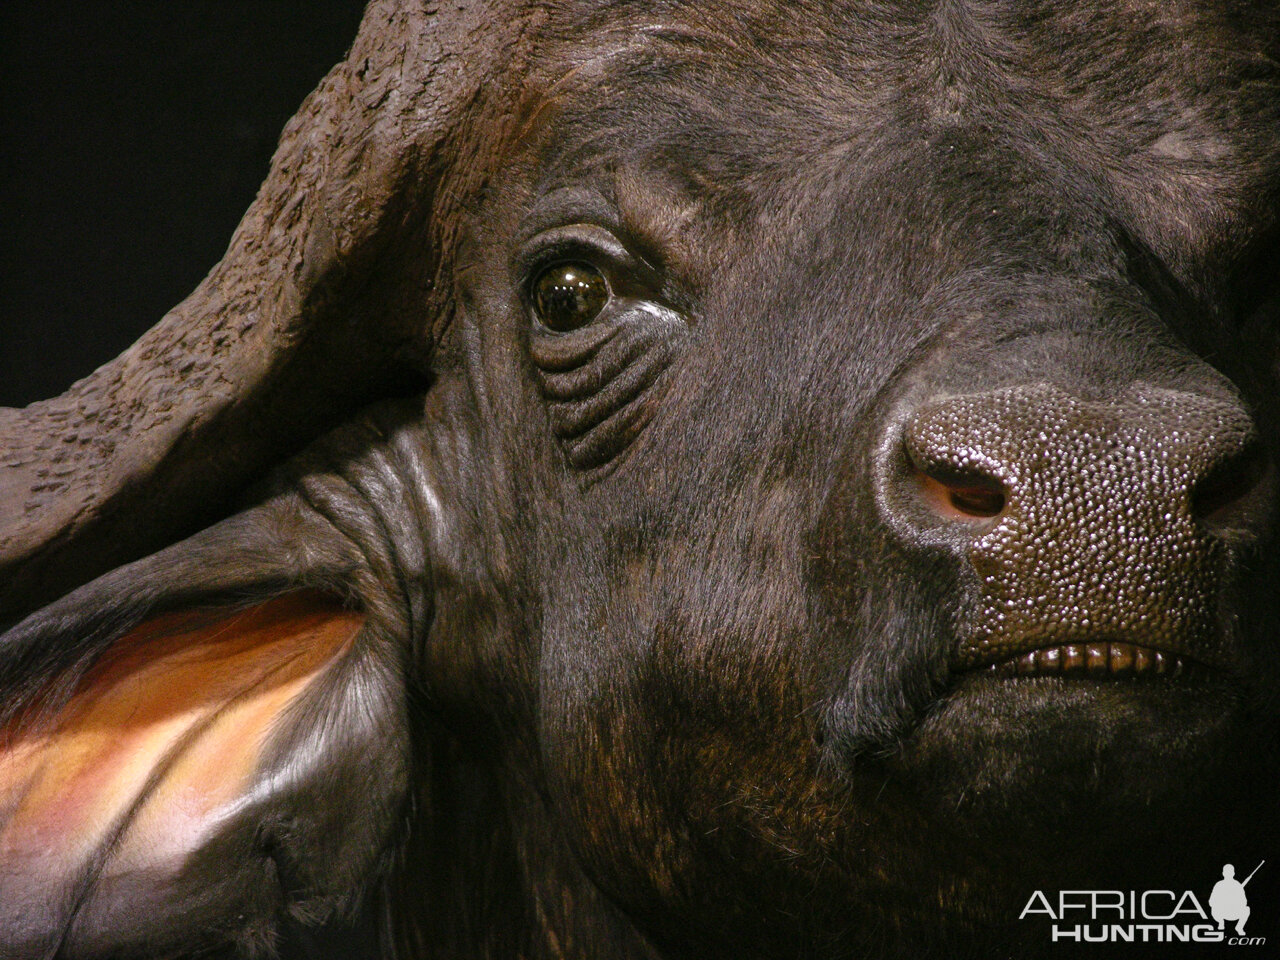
<point>158,743</point>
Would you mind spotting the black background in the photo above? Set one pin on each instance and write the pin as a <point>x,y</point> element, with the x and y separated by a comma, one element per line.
<point>133,136</point>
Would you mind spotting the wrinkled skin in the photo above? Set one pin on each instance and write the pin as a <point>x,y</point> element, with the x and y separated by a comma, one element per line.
<point>679,652</point>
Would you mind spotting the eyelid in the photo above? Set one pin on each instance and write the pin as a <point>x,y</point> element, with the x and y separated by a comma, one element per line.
<point>579,241</point>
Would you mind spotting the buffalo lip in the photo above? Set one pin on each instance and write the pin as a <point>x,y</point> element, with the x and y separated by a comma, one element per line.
<point>1093,660</point>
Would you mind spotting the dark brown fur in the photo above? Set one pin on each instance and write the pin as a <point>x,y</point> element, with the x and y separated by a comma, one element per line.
<point>660,668</point>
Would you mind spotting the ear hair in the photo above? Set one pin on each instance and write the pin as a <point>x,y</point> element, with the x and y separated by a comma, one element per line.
<point>192,732</point>
<point>276,547</point>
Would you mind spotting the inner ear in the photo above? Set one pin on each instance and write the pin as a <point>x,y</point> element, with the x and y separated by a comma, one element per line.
<point>164,740</point>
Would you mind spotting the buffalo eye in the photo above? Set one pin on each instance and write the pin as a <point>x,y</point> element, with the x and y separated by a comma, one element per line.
<point>567,296</point>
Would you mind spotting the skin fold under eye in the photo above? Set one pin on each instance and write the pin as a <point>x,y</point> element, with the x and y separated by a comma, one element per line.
<point>602,336</point>
<point>568,296</point>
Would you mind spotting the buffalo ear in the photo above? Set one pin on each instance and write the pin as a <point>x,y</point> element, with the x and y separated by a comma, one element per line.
<point>303,321</point>
<point>205,749</point>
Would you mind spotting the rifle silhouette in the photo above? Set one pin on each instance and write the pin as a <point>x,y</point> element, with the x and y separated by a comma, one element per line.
<point>1250,876</point>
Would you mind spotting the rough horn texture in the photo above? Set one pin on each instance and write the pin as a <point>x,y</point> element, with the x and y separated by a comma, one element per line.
<point>258,358</point>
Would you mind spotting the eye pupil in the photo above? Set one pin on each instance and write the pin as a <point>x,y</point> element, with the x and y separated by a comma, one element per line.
<point>567,296</point>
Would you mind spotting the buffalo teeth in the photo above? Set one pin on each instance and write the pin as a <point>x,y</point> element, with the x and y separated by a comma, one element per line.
<point>1097,659</point>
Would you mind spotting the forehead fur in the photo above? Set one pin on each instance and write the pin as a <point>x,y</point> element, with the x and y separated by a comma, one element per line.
<point>1170,118</point>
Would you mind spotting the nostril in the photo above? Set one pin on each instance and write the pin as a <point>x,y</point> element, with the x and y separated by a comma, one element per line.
<point>976,501</point>
<point>958,494</point>
<point>1228,483</point>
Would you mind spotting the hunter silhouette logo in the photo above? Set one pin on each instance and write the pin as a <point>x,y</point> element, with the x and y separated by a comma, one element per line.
<point>1228,900</point>
<point>1147,916</point>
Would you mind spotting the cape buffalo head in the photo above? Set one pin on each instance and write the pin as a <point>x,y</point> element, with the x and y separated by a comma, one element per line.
<point>685,480</point>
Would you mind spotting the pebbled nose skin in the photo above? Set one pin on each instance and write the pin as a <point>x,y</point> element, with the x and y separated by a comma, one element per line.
<point>1102,531</point>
